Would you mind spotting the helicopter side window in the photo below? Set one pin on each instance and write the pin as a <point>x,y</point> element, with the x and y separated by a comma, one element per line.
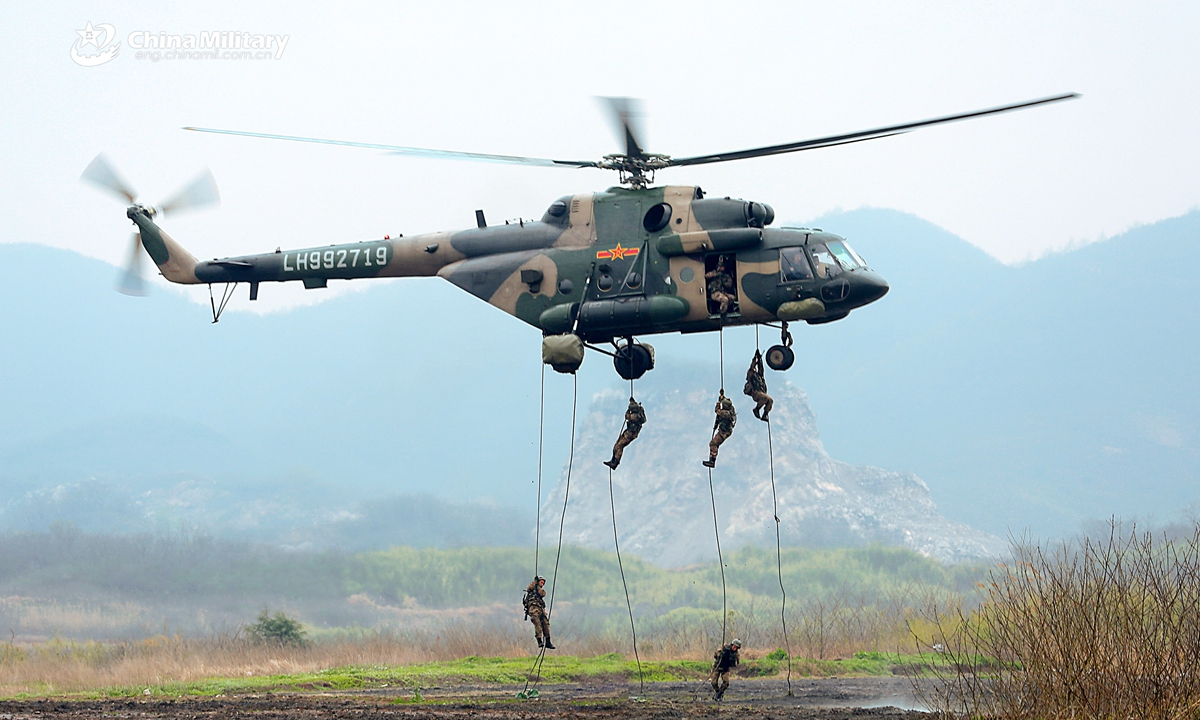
<point>824,261</point>
<point>793,265</point>
<point>842,254</point>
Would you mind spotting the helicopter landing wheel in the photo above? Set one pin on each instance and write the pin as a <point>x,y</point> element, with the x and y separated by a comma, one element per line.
<point>632,361</point>
<point>780,357</point>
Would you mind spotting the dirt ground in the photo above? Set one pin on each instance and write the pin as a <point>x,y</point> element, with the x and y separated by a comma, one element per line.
<point>814,699</point>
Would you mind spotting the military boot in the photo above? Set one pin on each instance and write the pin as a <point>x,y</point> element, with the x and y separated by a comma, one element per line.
<point>540,643</point>
<point>612,464</point>
<point>709,463</point>
<point>549,645</point>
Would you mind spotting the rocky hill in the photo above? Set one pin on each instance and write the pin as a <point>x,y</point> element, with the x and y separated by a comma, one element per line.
<point>663,505</point>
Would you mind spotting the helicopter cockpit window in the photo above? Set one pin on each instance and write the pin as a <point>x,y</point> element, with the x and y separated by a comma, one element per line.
<point>793,265</point>
<point>824,261</point>
<point>843,255</point>
<point>856,255</point>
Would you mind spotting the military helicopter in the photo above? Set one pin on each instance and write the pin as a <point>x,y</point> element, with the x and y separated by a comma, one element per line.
<point>597,268</point>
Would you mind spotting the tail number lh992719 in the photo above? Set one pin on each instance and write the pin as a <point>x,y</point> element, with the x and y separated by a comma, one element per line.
<point>337,258</point>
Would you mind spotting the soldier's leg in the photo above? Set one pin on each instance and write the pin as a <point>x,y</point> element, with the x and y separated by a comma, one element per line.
<point>764,404</point>
<point>724,683</point>
<point>546,631</point>
<point>713,678</point>
<point>619,448</point>
<point>536,617</point>
<point>715,443</point>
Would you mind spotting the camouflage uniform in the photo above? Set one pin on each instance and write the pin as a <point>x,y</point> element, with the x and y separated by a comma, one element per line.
<point>724,661</point>
<point>721,288</point>
<point>722,428</point>
<point>756,388</point>
<point>535,609</point>
<point>635,417</point>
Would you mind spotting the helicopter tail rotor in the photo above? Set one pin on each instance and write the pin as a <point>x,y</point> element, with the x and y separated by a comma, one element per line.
<point>200,192</point>
<point>101,173</point>
<point>133,281</point>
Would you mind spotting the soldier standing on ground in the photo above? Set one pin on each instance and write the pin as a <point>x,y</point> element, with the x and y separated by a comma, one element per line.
<point>535,610</point>
<point>756,387</point>
<point>722,428</point>
<point>635,417</point>
<point>721,288</point>
<point>724,661</point>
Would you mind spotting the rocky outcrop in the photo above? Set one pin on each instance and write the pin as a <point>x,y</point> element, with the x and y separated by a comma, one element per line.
<point>661,491</point>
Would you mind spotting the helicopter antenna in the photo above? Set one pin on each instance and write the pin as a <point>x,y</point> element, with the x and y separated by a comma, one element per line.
<point>636,166</point>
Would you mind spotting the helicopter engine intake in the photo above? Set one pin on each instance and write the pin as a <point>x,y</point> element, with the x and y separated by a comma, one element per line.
<point>713,213</point>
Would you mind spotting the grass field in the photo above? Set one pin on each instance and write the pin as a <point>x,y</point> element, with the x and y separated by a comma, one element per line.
<point>479,671</point>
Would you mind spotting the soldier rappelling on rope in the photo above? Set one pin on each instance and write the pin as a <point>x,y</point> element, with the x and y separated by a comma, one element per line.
<point>756,388</point>
<point>724,661</point>
<point>722,428</point>
<point>635,418</point>
<point>535,611</point>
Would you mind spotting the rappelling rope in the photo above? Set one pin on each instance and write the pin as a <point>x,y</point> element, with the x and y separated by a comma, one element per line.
<point>720,559</point>
<point>621,567</point>
<point>632,629</point>
<point>713,496</point>
<point>721,335</point>
<point>534,676</point>
<point>537,529</point>
<point>778,545</point>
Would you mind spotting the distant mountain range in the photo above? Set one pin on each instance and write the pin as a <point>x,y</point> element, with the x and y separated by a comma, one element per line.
<point>1031,397</point>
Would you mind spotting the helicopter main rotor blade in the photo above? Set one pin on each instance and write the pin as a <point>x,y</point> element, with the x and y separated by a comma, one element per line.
<point>417,152</point>
<point>132,281</point>
<point>862,135</point>
<point>200,192</point>
<point>100,172</point>
<point>626,115</point>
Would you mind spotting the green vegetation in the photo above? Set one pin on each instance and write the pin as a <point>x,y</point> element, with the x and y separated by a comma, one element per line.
<point>513,671</point>
<point>67,563</point>
<point>473,576</point>
<point>277,628</point>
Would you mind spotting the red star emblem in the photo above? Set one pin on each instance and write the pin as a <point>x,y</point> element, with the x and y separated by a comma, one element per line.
<point>617,253</point>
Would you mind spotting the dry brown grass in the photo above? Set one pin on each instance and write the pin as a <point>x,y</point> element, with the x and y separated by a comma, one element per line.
<point>1097,628</point>
<point>65,666</point>
<point>838,628</point>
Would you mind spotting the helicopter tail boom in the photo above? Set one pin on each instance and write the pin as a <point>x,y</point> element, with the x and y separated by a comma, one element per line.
<point>175,263</point>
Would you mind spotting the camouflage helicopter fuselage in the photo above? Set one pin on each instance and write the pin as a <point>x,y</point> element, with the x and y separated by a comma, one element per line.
<point>605,265</point>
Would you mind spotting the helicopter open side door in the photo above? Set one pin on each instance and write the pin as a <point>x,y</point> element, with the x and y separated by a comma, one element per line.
<point>720,284</point>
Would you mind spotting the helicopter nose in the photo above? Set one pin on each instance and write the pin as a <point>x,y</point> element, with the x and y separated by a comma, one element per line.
<point>869,287</point>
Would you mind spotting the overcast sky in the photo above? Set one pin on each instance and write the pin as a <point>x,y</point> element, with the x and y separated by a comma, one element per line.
<point>520,79</point>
